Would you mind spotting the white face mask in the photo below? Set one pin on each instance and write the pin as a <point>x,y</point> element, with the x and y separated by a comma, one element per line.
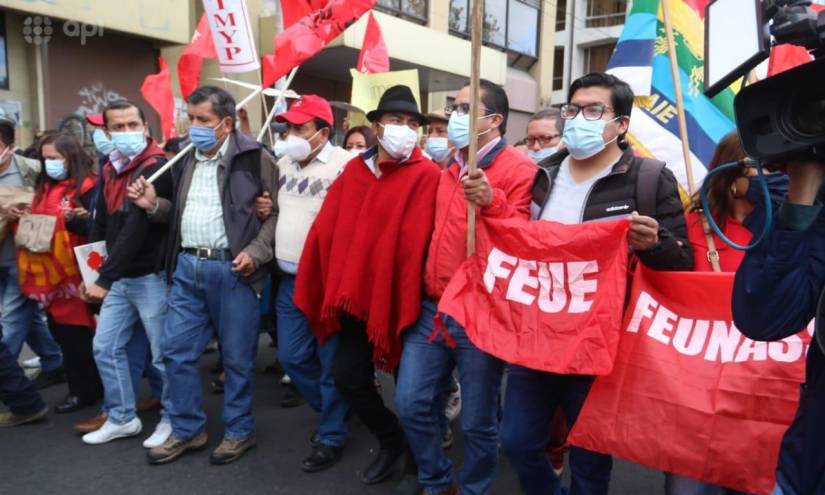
<point>398,141</point>
<point>298,148</point>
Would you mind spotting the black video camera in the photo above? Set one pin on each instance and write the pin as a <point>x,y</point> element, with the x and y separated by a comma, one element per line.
<point>781,118</point>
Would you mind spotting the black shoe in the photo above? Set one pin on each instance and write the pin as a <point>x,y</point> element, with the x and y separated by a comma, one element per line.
<point>71,404</point>
<point>408,486</point>
<point>323,457</point>
<point>48,378</point>
<point>382,467</point>
<point>315,441</point>
<point>291,398</point>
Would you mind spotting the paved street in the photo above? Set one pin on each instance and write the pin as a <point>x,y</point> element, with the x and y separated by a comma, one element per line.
<point>49,458</point>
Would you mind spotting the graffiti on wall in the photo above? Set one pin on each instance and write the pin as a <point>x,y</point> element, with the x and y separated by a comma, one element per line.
<point>95,97</point>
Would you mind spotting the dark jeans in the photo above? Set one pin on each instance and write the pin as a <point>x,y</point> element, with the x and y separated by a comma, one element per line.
<point>16,391</point>
<point>530,402</point>
<point>78,360</point>
<point>354,376</point>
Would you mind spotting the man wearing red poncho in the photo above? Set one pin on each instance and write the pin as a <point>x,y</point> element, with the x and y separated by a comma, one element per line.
<point>361,269</point>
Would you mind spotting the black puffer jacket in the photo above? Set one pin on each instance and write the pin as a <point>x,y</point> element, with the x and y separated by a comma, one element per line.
<point>615,195</point>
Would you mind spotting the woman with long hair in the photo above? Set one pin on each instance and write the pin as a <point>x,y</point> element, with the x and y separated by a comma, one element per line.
<point>359,139</point>
<point>62,200</point>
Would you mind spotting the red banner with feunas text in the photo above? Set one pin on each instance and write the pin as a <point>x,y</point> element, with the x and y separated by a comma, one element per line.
<point>544,295</point>
<point>689,393</point>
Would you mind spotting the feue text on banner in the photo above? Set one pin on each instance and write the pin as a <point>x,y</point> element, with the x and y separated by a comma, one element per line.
<point>544,295</point>
<point>690,394</point>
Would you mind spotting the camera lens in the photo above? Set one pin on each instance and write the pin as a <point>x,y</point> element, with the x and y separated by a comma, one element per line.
<point>806,117</point>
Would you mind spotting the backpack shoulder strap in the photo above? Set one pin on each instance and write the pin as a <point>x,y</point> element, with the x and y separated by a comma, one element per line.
<point>647,185</point>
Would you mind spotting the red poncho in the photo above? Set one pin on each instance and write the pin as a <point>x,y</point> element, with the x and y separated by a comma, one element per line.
<point>364,254</point>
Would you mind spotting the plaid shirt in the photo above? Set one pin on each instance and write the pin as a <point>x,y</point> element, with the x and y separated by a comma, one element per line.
<point>202,225</point>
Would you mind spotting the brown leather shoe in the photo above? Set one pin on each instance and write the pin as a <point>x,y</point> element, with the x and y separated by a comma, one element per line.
<point>149,404</point>
<point>175,447</point>
<point>231,449</point>
<point>92,424</point>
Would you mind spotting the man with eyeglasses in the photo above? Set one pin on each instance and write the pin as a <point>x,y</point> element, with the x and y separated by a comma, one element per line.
<point>596,177</point>
<point>436,343</point>
<point>544,134</point>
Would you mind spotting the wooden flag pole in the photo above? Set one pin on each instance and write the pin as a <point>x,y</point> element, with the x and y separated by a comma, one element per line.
<point>713,254</point>
<point>190,146</point>
<point>276,105</point>
<point>475,100</point>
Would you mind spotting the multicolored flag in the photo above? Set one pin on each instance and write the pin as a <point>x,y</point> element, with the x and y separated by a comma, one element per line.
<point>641,58</point>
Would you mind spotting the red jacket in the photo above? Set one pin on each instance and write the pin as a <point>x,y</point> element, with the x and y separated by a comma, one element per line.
<point>511,174</point>
<point>729,258</point>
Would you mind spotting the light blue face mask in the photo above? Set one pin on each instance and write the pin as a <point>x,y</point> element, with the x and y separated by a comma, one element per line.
<point>458,129</point>
<point>583,137</point>
<point>103,145</point>
<point>437,148</point>
<point>129,143</point>
<point>204,138</point>
<point>541,154</point>
<point>56,169</point>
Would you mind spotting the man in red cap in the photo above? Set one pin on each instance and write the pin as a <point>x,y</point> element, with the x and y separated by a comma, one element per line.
<point>308,167</point>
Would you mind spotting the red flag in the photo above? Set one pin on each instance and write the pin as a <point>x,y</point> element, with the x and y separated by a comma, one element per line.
<point>294,10</point>
<point>544,295</point>
<point>157,91</point>
<point>689,393</point>
<point>190,62</point>
<point>786,57</point>
<point>374,57</point>
<point>310,35</point>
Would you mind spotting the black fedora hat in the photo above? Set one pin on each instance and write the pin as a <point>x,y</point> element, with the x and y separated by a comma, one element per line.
<point>398,99</point>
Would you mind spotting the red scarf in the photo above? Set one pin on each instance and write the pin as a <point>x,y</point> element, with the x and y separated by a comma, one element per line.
<point>53,278</point>
<point>364,254</point>
<point>115,184</point>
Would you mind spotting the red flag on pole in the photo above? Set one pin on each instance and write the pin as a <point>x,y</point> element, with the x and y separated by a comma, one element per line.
<point>310,35</point>
<point>157,90</point>
<point>295,10</point>
<point>374,57</point>
<point>191,61</point>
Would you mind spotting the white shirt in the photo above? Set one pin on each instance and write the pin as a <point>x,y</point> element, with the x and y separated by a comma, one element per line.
<point>567,198</point>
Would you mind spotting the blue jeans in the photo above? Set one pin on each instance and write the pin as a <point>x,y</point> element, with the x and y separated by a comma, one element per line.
<point>531,400</point>
<point>309,365</point>
<point>23,321</point>
<point>424,368</point>
<point>16,391</point>
<point>130,304</point>
<point>207,297</point>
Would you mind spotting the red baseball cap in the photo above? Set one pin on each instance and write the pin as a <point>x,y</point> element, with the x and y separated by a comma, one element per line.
<point>307,108</point>
<point>96,119</point>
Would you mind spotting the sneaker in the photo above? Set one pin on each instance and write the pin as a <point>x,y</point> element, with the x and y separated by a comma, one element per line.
<point>32,363</point>
<point>10,419</point>
<point>162,433</point>
<point>112,431</point>
<point>453,408</point>
<point>447,439</point>
<point>231,449</point>
<point>175,447</point>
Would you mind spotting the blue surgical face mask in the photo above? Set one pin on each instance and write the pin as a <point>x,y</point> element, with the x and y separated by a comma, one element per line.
<point>129,143</point>
<point>103,144</point>
<point>584,138</point>
<point>204,138</point>
<point>541,154</point>
<point>437,148</point>
<point>56,169</point>
<point>777,186</point>
<point>458,129</point>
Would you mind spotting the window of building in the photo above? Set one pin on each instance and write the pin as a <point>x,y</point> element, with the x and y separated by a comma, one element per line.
<point>511,25</point>
<point>604,13</point>
<point>561,15</point>
<point>414,10</point>
<point>597,57</point>
<point>558,68</point>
